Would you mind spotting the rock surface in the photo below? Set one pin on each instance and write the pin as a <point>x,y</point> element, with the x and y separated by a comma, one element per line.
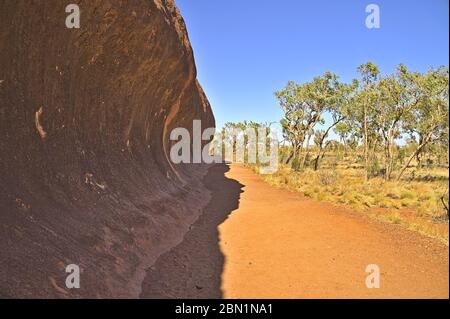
<point>85,118</point>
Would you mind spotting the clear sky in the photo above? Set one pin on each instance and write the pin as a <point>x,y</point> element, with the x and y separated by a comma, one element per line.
<point>245,50</point>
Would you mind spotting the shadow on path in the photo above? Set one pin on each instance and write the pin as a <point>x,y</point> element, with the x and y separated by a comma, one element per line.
<point>193,269</point>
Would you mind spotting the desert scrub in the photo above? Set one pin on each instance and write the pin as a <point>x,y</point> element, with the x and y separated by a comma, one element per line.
<point>343,185</point>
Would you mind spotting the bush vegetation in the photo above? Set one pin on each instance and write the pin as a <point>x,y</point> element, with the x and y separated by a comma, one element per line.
<point>389,153</point>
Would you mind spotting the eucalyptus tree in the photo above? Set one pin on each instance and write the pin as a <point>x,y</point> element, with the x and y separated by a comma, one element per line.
<point>322,95</point>
<point>292,123</point>
<point>303,106</point>
<point>399,94</point>
<point>429,120</point>
<point>339,108</point>
<point>368,97</point>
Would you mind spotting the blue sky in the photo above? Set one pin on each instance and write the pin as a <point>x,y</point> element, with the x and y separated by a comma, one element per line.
<point>245,50</point>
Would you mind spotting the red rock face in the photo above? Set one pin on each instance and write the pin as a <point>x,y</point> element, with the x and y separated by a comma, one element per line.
<point>85,118</point>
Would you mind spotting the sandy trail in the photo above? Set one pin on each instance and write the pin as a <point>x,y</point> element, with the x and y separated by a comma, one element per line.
<point>278,244</point>
<point>256,241</point>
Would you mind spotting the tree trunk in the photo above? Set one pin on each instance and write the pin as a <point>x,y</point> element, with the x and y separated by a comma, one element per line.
<point>419,159</point>
<point>389,157</point>
<point>316,161</point>
<point>321,153</point>
<point>306,152</point>
<point>292,155</point>
<point>366,146</point>
<point>410,159</point>
<point>318,158</point>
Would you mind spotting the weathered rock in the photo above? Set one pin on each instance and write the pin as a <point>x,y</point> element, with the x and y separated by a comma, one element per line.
<point>85,116</point>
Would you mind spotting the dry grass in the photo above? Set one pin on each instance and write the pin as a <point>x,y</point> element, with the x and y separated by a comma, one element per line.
<point>414,202</point>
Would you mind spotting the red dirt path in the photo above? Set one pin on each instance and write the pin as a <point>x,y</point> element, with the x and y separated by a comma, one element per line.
<point>256,241</point>
<point>278,244</point>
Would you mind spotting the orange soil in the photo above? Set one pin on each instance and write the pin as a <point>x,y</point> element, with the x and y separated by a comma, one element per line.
<point>278,244</point>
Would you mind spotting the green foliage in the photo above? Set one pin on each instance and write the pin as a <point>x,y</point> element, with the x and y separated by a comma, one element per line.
<point>374,112</point>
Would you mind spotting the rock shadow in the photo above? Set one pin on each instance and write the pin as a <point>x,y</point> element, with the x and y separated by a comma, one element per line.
<point>193,269</point>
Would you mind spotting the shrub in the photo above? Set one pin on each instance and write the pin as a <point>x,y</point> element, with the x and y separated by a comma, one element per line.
<point>295,164</point>
<point>375,169</point>
<point>407,195</point>
<point>327,177</point>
